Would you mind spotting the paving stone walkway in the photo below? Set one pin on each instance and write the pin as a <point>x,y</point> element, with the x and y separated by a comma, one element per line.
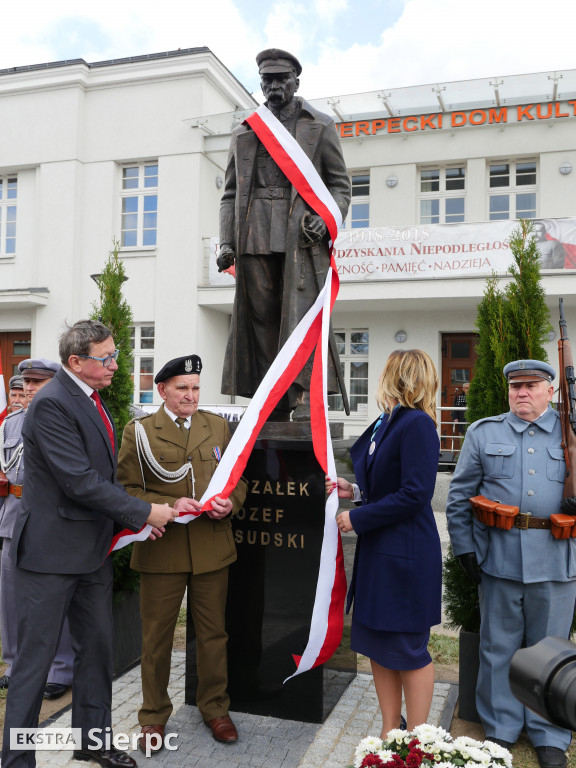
<point>265,742</point>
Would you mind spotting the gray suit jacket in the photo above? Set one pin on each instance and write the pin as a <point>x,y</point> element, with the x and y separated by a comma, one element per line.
<point>71,498</point>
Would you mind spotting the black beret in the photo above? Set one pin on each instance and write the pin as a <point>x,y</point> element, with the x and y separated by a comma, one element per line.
<point>275,60</point>
<point>180,366</point>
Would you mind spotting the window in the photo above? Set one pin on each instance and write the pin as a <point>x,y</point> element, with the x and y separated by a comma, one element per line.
<point>512,190</point>
<point>352,346</point>
<point>359,213</point>
<point>441,199</point>
<point>143,370</point>
<point>8,194</point>
<point>139,205</point>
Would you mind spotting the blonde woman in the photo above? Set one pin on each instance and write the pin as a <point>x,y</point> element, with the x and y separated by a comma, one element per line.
<point>397,579</point>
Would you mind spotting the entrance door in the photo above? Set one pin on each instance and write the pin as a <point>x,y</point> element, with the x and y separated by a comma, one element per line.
<point>14,347</point>
<point>458,358</point>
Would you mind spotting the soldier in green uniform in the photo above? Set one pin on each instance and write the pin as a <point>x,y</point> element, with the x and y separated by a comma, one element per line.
<point>170,457</point>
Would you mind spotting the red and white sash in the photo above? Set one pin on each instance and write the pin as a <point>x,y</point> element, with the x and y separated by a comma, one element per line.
<point>311,332</point>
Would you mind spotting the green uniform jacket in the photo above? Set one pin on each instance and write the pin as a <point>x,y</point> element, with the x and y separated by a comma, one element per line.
<point>202,545</point>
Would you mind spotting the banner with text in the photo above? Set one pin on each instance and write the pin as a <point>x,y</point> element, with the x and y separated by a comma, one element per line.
<point>436,250</point>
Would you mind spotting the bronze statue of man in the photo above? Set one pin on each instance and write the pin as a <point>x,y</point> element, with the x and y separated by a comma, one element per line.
<point>277,242</point>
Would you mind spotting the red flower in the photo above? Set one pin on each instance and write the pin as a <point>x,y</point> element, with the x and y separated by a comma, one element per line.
<point>414,758</point>
<point>371,759</point>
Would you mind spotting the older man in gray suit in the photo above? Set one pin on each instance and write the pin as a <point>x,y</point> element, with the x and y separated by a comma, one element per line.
<point>70,504</point>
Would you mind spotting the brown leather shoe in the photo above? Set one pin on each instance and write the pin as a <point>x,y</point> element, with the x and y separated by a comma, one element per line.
<point>223,729</point>
<point>151,739</point>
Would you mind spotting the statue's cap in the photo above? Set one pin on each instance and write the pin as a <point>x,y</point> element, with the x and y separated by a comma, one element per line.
<point>275,60</point>
<point>180,366</point>
<point>529,370</point>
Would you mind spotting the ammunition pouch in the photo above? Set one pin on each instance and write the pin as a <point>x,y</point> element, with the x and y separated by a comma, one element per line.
<point>493,513</point>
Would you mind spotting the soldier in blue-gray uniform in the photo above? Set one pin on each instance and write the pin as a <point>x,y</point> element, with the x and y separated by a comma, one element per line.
<point>526,577</point>
<point>35,374</point>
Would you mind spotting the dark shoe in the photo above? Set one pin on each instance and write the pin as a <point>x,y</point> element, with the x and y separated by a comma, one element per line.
<point>108,758</point>
<point>4,681</point>
<point>501,743</point>
<point>54,690</point>
<point>551,757</point>
<point>151,739</point>
<point>223,729</point>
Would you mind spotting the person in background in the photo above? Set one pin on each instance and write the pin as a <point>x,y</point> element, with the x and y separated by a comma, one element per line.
<point>396,583</point>
<point>459,417</point>
<point>16,397</point>
<point>34,375</point>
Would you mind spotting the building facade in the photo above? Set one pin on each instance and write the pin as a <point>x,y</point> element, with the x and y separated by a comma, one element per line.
<point>135,150</point>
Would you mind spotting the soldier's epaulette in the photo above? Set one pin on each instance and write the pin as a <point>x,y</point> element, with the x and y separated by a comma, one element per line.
<point>498,417</point>
<point>211,413</point>
<point>139,418</point>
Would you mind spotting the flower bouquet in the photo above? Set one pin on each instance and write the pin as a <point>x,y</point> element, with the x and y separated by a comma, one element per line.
<point>427,746</point>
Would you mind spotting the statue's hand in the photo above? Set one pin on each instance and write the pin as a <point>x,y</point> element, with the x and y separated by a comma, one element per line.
<point>225,259</point>
<point>315,225</point>
<point>568,506</point>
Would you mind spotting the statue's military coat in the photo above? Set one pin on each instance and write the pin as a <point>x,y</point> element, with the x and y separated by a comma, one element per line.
<point>315,132</point>
<point>204,544</point>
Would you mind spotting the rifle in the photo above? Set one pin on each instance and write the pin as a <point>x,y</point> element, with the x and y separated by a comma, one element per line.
<point>567,411</point>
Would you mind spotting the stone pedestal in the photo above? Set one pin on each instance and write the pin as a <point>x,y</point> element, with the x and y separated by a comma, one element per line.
<point>272,586</point>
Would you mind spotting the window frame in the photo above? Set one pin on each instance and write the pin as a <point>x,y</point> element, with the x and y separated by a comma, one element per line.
<point>512,191</point>
<point>360,197</point>
<point>8,215</point>
<point>443,194</point>
<point>347,357</point>
<point>142,352</point>
<point>140,192</point>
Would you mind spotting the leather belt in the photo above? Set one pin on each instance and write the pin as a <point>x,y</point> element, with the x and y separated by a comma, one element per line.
<point>524,521</point>
<point>270,193</point>
<point>15,490</point>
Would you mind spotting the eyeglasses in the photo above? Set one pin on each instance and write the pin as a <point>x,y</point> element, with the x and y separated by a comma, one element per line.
<point>106,361</point>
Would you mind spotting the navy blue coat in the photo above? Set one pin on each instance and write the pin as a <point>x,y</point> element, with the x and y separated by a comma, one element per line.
<point>397,579</point>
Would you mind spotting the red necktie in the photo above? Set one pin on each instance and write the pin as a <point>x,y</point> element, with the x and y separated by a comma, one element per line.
<point>96,397</point>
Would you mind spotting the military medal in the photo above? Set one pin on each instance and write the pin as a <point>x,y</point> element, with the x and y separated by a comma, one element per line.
<point>217,453</point>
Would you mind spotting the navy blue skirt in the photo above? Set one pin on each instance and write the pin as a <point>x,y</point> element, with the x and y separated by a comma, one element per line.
<point>393,650</point>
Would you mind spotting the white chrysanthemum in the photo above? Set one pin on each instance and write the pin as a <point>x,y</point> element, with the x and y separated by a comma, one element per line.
<point>396,734</point>
<point>496,750</point>
<point>466,741</point>
<point>445,764</point>
<point>369,744</point>
<point>478,755</point>
<point>440,747</point>
<point>385,755</point>
<point>426,734</point>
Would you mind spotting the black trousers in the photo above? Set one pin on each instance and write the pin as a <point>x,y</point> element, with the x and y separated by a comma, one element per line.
<point>45,599</point>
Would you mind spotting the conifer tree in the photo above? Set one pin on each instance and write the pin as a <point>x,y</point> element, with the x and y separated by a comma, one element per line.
<point>512,322</point>
<point>114,311</point>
